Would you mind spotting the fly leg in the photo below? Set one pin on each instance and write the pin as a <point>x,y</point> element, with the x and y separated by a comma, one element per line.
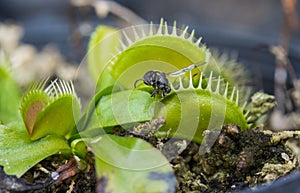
<point>154,92</point>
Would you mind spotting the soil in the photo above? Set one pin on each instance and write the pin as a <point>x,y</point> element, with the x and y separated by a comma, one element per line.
<point>38,179</point>
<point>237,160</point>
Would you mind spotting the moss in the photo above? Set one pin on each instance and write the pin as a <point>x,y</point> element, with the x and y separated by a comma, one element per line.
<point>237,160</point>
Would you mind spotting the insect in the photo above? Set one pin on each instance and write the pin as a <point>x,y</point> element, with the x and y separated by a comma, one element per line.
<point>159,81</point>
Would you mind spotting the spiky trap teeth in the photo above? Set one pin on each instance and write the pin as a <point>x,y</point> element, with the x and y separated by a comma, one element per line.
<point>154,45</point>
<point>59,88</point>
<point>134,34</point>
<point>54,89</point>
<point>211,84</point>
<point>51,110</point>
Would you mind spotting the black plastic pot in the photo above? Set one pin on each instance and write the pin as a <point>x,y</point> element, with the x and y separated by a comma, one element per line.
<point>288,184</point>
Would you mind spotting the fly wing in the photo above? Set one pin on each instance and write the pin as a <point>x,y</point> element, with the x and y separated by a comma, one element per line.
<point>184,70</point>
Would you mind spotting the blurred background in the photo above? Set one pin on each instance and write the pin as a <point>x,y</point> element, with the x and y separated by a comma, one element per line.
<point>247,27</point>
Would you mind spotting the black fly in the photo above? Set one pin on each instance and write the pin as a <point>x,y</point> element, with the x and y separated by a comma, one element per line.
<point>158,79</point>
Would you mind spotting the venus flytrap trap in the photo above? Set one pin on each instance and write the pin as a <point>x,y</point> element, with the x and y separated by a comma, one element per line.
<point>50,111</point>
<point>205,89</point>
<point>200,109</point>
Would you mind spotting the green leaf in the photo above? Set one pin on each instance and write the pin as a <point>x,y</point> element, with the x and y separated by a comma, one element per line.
<point>18,153</point>
<point>107,110</point>
<point>102,46</point>
<point>132,165</point>
<point>9,97</point>
<point>89,119</point>
<point>125,107</point>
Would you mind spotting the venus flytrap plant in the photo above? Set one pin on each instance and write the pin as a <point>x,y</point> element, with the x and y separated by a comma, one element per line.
<point>49,116</point>
<point>203,98</point>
